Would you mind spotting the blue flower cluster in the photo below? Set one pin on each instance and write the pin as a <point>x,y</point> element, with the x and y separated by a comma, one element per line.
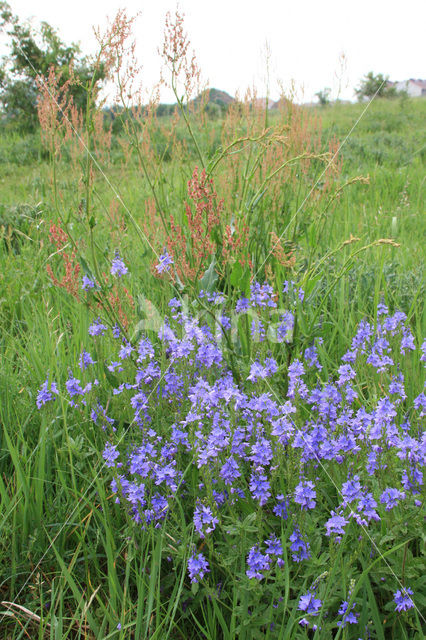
<point>251,448</point>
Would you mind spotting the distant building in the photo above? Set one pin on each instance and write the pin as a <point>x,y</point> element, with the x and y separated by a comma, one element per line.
<point>414,88</point>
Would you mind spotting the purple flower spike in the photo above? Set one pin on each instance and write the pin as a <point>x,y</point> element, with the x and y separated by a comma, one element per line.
<point>164,262</point>
<point>390,497</point>
<point>45,394</point>
<point>335,524</point>
<point>204,520</point>
<point>310,604</point>
<point>118,268</point>
<point>110,454</point>
<point>97,328</point>
<point>299,547</point>
<point>257,563</point>
<point>87,283</point>
<point>198,566</point>
<point>350,617</point>
<point>305,494</point>
<point>403,600</point>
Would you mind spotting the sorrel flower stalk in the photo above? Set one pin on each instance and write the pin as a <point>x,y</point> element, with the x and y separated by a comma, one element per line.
<point>70,281</point>
<point>118,50</point>
<point>61,122</point>
<point>183,69</point>
<point>193,244</point>
<point>112,297</point>
<point>54,107</point>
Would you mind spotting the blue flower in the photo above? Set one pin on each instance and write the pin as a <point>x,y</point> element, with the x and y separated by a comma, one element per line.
<point>311,357</point>
<point>310,604</point>
<point>257,563</point>
<point>346,374</point>
<point>118,268</point>
<point>87,283</point>
<point>304,494</point>
<point>348,618</point>
<point>274,546</point>
<point>335,524</point>
<point>198,566</point>
<point>299,547</point>
<point>110,454</point>
<point>230,471</point>
<point>242,305</point>
<point>423,350</point>
<point>402,599</point>
<point>85,360</point>
<point>260,487</point>
<point>204,520</point>
<point>174,303</point>
<point>262,295</point>
<point>164,262</point>
<point>407,341</point>
<point>284,331</point>
<point>390,497</point>
<point>382,309</point>
<point>125,350</point>
<point>45,394</point>
<point>73,386</point>
<point>97,328</point>
<point>351,490</point>
<point>257,330</point>
<point>280,508</point>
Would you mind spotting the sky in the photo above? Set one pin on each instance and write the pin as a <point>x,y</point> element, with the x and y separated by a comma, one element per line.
<point>312,43</point>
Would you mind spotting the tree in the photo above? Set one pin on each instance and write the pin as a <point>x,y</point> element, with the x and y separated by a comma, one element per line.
<point>324,96</point>
<point>375,85</point>
<point>31,54</point>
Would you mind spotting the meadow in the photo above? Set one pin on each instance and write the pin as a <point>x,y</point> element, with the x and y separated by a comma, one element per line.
<point>212,371</point>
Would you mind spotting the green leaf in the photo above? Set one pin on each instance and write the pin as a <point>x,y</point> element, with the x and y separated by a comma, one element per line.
<point>310,284</point>
<point>236,274</point>
<point>209,279</point>
<point>110,377</point>
<point>88,272</point>
<point>240,278</point>
<point>254,202</point>
<point>378,624</point>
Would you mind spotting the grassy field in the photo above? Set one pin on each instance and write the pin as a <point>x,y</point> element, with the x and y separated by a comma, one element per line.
<point>81,558</point>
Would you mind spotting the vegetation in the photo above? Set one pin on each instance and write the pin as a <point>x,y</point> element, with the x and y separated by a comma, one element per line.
<point>375,85</point>
<point>193,443</point>
<point>32,54</point>
<point>324,96</point>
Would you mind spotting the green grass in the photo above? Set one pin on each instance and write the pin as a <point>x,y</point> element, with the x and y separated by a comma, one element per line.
<point>68,553</point>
